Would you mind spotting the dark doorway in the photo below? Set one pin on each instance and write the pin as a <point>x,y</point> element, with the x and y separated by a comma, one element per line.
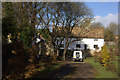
<point>85,46</point>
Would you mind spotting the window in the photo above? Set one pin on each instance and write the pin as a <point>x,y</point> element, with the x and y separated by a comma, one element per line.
<point>78,46</point>
<point>95,46</point>
<point>95,39</point>
<point>77,54</point>
<point>85,46</point>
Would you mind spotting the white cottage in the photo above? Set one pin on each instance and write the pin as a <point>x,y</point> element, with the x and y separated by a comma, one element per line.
<point>92,39</point>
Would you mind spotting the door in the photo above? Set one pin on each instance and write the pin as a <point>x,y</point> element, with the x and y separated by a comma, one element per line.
<point>85,46</point>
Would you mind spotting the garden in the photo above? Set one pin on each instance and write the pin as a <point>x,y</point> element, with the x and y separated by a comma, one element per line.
<point>106,62</point>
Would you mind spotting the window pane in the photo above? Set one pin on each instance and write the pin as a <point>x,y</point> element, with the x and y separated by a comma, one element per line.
<point>95,39</point>
<point>78,46</point>
<point>95,46</point>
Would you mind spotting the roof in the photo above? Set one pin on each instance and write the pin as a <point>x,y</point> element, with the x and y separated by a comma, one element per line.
<point>93,32</point>
<point>84,32</point>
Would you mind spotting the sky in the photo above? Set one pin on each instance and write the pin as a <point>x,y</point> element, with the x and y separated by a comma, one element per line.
<point>104,12</point>
<point>101,0</point>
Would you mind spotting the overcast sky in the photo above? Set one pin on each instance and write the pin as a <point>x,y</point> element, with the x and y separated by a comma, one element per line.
<point>104,12</point>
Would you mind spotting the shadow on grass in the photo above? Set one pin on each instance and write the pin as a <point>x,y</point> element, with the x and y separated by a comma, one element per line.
<point>54,71</point>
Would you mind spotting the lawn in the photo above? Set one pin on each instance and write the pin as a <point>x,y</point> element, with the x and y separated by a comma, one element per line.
<point>101,71</point>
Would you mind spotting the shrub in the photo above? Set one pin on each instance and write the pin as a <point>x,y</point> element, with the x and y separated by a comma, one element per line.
<point>15,59</point>
<point>33,54</point>
<point>104,56</point>
<point>96,57</point>
<point>111,67</point>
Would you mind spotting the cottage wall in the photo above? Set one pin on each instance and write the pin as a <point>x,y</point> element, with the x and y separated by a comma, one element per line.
<point>90,42</point>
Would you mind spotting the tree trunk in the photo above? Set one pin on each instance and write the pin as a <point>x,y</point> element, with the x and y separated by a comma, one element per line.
<point>64,54</point>
<point>65,49</point>
<point>57,52</point>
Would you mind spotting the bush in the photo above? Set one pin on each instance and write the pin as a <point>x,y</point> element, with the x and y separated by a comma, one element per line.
<point>96,57</point>
<point>113,49</point>
<point>104,56</point>
<point>105,59</point>
<point>111,67</point>
<point>15,59</point>
<point>33,54</point>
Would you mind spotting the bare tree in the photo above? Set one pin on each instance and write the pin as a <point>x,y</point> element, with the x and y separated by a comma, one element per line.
<point>65,16</point>
<point>113,27</point>
<point>111,31</point>
<point>71,15</point>
<point>98,24</point>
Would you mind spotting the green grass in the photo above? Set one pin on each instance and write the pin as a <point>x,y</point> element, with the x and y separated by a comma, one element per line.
<point>101,71</point>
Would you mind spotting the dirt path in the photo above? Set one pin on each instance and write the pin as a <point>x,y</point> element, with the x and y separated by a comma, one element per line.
<point>74,70</point>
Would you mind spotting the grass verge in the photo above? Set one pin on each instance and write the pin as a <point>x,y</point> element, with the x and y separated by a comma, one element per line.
<point>101,71</point>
